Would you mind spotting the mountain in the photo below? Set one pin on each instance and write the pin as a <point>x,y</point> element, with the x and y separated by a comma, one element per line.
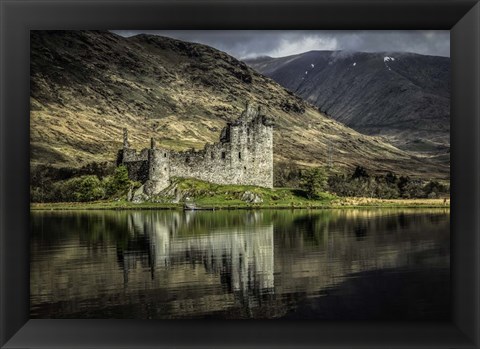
<point>404,97</point>
<point>86,86</point>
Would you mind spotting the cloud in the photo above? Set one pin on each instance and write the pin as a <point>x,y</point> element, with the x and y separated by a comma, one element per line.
<point>287,47</point>
<point>278,43</point>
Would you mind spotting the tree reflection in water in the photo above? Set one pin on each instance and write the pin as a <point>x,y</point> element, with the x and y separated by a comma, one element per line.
<point>235,264</point>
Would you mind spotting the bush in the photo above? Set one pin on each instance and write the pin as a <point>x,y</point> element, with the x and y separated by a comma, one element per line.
<point>45,188</point>
<point>410,188</point>
<point>387,186</point>
<point>314,182</point>
<point>85,188</point>
<point>434,189</point>
<point>118,183</point>
<point>360,172</point>
<point>386,189</point>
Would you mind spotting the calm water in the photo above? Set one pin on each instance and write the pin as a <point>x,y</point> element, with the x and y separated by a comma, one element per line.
<point>326,264</point>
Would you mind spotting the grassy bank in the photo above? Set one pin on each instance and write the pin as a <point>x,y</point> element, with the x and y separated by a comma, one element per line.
<point>214,196</point>
<point>103,205</point>
<point>404,203</point>
<point>337,204</point>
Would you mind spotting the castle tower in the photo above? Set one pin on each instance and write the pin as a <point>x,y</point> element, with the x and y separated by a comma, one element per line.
<point>262,149</point>
<point>251,147</point>
<point>158,169</point>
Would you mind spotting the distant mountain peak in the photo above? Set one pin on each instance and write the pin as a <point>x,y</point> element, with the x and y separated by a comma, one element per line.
<point>402,96</point>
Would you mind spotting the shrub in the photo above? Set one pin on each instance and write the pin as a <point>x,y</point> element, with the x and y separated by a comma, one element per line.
<point>434,189</point>
<point>118,183</point>
<point>410,188</point>
<point>385,189</point>
<point>84,188</point>
<point>387,186</point>
<point>360,172</point>
<point>49,185</point>
<point>314,182</point>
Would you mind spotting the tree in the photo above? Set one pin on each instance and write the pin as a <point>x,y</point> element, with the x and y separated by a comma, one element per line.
<point>434,189</point>
<point>390,178</point>
<point>410,188</point>
<point>119,183</point>
<point>84,188</point>
<point>360,172</point>
<point>314,182</point>
<point>386,190</point>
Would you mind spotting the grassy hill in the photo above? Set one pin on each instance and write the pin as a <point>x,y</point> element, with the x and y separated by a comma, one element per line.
<point>86,86</point>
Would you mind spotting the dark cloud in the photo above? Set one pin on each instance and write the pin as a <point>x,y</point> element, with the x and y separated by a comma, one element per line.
<point>278,43</point>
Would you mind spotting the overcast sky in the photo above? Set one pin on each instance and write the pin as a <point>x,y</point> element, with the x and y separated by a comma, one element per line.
<point>278,43</point>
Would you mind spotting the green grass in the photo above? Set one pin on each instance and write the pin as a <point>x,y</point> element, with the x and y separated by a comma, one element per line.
<point>101,205</point>
<point>211,195</point>
<point>216,196</point>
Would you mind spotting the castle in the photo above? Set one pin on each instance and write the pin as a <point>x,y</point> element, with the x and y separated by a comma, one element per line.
<point>244,155</point>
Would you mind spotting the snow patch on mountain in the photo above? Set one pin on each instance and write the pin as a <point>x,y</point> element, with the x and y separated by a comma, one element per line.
<point>387,59</point>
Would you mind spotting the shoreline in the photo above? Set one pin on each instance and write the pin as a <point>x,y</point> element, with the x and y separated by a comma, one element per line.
<point>344,203</point>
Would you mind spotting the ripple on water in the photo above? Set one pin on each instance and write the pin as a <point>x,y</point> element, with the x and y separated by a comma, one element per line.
<point>329,264</point>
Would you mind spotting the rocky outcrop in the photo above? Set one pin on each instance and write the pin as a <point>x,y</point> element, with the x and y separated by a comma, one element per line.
<point>251,198</point>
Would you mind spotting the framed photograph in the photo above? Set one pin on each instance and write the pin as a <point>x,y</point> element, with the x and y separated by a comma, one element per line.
<point>239,174</point>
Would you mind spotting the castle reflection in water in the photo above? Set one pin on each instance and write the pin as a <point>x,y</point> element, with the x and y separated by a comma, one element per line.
<point>242,256</point>
<point>329,264</point>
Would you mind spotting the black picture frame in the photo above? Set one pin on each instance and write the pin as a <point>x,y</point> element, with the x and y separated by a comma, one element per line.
<point>18,17</point>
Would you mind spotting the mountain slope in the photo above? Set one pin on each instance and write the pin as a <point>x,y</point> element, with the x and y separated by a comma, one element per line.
<point>87,86</point>
<point>402,96</point>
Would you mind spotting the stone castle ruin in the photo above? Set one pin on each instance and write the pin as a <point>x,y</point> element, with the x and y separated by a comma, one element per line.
<point>244,155</point>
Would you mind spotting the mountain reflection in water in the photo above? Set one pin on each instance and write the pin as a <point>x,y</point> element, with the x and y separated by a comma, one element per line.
<point>327,264</point>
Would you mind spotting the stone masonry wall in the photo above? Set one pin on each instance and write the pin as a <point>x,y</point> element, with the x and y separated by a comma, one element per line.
<point>137,164</point>
<point>244,155</point>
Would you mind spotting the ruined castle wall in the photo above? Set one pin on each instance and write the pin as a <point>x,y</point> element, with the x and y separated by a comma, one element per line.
<point>244,156</point>
<point>246,159</point>
<point>209,164</point>
<point>137,170</point>
<point>130,154</point>
<point>137,164</point>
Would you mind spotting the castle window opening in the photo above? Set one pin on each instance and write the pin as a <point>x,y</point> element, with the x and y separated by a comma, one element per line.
<point>164,155</point>
<point>212,156</point>
<point>223,155</point>
<point>240,155</point>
